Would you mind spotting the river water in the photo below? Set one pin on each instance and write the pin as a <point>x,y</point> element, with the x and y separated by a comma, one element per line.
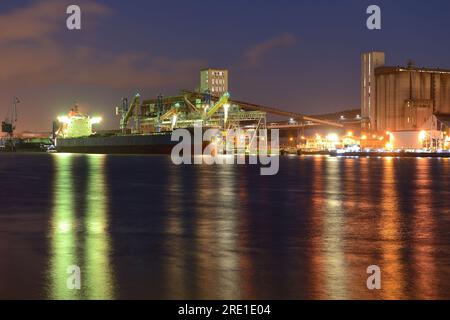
<point>141,227</point>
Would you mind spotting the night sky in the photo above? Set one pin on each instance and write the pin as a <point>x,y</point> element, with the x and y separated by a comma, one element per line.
<point>301,56</point>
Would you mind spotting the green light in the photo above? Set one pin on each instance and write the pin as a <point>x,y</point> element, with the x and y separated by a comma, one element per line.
<point>97,251</point>
<point>63,233</point>
<point>91,251</point>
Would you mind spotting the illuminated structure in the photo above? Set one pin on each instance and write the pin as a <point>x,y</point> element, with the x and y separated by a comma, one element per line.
<point>405,101</point>
<point>408,97</point>
<point>146,124</point>
<point>76,124</point>
<point>214,81</point>
<point>369,62</point>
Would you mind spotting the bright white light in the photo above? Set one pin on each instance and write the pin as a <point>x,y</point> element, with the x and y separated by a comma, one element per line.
<point>64,227</point>
<point>96,120</point>
<point>64,119</point>
<point>333,137</point>
<point>226,106</point>
<point>422,135</point>
<point>174,120</point>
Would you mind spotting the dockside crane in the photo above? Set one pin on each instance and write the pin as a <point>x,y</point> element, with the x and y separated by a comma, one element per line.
<point>9,125</point>
<point>127,111</point>
<point>221,102</point>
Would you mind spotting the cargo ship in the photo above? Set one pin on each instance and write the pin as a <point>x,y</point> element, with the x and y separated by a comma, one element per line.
<point>153,122</point>
<point>157,143</point>
<point>73,133</point>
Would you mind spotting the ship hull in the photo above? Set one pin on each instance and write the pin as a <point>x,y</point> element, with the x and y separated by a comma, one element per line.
<point>124,144</point>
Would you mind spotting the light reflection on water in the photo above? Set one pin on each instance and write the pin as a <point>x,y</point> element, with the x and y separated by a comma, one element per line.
<point>207,266</point>
<point>334,215</point>
<point>423,235</point>
<point>391,234</point>
<point>140,227</point>
<point>80,240</point>
<point>64,230</point>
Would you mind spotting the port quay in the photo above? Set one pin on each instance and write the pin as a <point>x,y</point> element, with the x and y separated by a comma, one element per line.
<point>415,122</point>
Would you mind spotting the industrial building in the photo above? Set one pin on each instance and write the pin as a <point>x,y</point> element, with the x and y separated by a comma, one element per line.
<point>214,81</point>
<point>411,103</point>
<point>212,106</point>
<point>369,62</point>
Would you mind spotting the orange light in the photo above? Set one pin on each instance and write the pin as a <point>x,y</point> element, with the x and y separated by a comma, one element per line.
<point>364,137</point>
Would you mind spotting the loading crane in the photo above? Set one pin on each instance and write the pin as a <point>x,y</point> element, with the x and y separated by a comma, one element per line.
<point>127,111</point>
<point>221,102</point>
<point>173,111</point>
<point>9,125</point>
<point>189,104</point>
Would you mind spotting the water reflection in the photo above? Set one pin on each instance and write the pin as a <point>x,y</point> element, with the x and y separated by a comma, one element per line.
<point>358,233</point>
<point>424,227</point>
<point>80,239</point>
<point>216,233</point>
<point>64,230</point>
<point>369,211</point>
<point>225,232</point>
<point>205,223</point>
<point>97,264</point>
<point>391,235</point>
<point>202,260</point>
<point>247,268</point>
<point>317,221</point>
<point>176,264</point>
<point>328,258</point>
<point>333,237</point>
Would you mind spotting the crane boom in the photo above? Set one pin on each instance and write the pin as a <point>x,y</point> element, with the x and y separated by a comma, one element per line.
<point>188,103</point>
<point>223,100</point>
<point>168,114</point>
<point>126,117</point>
